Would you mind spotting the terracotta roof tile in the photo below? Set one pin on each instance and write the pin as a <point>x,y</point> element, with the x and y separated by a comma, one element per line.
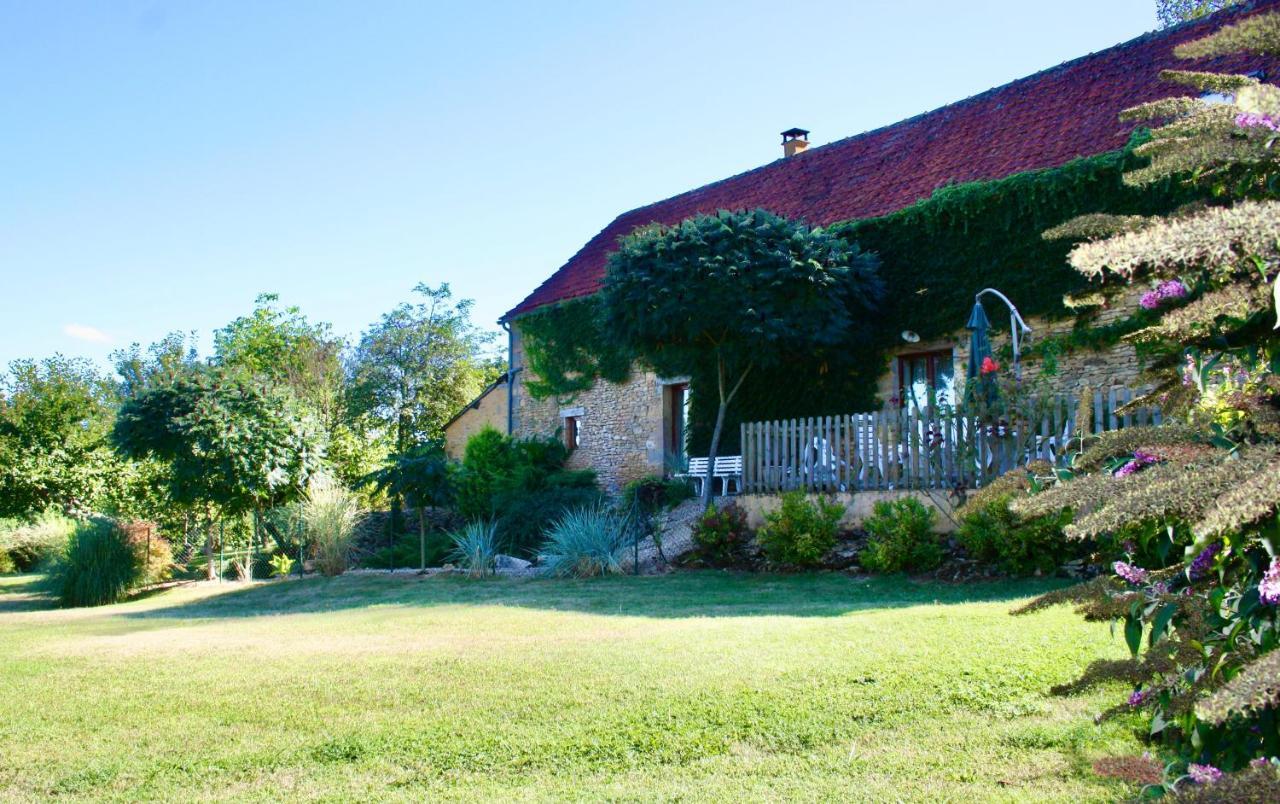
<point>1041,121</point>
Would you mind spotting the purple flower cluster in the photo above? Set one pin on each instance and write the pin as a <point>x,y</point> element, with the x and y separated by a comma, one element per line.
<point>1251,120</point>
<point>1269,589</point>
<point>1200,566</point>
<point>1189,372</point>
<point>1133,574</point>
<point>1136,699</point>
<point>1203,774</point>
<point>1140,460</point>
<point>1167,290</point>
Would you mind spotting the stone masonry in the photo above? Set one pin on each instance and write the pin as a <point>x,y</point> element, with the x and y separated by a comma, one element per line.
<point>621,425</point>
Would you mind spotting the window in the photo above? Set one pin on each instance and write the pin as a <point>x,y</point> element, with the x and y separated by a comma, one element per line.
<point>926,379</point>
<point>572,433</point>
<point>571,427</point>
<point>676,418</point>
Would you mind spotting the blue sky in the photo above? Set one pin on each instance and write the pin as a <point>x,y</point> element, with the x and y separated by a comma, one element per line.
<point>162,163</point>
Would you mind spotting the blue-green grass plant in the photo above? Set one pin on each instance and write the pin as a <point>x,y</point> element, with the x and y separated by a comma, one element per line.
<point>475,548</point>
<point>586,542</point>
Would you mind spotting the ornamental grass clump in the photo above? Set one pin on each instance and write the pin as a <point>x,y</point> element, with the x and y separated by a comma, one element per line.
<point>586,543</point>
<point>330,515</point>
<point>26,545</point>
<point>99,566</point>
<point>475,548</point>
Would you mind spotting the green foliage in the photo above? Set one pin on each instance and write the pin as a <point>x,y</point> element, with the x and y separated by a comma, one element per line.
<point>934,255</point>
<point>992,533</point>
<point>902,537</point>
<point>475,548</point>
<point>732,293</point>
<point>28,544</point>
<point>523,485</point>
<point>655,493</point>
<point>54,416</point>
<point>568,349</point>
<point>281,565</point>
<point>330,514</point>
<point>722,536</point>
<point>800,532</point>
<point>1172,12</point>
<point>281,348</point>
<point>586,543</point>
<point>423,476</point>
<point>100,566</point>
<point>225,441</point>
<point>1196,631</point>
<point>938,252</point>
<point>418,366</point>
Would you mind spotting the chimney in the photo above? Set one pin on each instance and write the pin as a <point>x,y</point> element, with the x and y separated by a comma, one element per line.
<point>794,141</point>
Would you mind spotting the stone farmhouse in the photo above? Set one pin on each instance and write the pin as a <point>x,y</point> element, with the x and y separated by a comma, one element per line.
<point>1045,120</point>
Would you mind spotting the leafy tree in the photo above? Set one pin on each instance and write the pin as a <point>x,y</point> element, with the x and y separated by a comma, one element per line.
<point>417,366</point>
<point>424,477</point>
<point>230,446</point>
<point>727,294</point>
<point>282,348</point>
<point>1172,12</point>
<point>162,362</point>
<point>54,415</point>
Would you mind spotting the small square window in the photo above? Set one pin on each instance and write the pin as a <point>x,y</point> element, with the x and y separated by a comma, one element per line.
<point>572,433</point>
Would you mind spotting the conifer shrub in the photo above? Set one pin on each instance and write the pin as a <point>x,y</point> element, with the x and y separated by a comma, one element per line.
<point>801,531</point>
<point>902,538</point>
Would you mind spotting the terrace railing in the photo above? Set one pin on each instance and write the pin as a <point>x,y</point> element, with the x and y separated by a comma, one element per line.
<point>919,449</point>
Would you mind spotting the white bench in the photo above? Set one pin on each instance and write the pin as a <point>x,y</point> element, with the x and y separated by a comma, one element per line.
<point>728,469</point>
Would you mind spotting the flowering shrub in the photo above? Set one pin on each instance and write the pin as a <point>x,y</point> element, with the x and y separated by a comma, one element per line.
<point>800,532</point>
<point>721,535</point>
<point>1203,630</point>
<point>1167,291</point>
<point>902,538</point>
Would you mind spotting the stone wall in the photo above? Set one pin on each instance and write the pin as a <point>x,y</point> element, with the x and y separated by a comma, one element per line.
<point>619,425</point>
<point>487,410</point>
<point>1117,365</point>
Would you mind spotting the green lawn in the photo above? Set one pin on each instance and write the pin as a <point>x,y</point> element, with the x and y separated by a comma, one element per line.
<point>696,686</point>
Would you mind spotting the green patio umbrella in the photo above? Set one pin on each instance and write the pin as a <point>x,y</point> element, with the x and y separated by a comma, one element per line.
<point>979,342</point>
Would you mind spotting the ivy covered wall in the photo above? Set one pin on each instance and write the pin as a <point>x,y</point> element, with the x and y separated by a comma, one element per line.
<point>935,255</point>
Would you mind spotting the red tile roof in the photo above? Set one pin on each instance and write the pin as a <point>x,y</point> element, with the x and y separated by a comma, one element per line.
<point>1041,121</point>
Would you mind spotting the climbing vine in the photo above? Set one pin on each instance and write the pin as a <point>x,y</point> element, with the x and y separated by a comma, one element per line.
<point>935,255</point>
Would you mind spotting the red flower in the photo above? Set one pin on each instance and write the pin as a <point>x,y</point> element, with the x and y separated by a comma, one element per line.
<point>989,366</point>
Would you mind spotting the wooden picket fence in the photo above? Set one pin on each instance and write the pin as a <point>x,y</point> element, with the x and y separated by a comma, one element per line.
<point>918,449</point>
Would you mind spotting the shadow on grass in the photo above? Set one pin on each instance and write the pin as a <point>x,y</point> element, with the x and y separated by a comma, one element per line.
<point>24,593</point>
<point>680,595</point>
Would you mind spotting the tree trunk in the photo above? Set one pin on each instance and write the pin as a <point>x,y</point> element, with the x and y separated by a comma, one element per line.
<point>725,399</point>
<point>208,547</point>
<point>711,454</point>
<point>422,536</point>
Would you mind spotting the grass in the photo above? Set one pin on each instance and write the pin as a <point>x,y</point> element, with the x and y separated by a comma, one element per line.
<point>696,686</point>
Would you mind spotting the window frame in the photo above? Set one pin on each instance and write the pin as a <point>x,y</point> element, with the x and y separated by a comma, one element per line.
<point>931,356</point>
